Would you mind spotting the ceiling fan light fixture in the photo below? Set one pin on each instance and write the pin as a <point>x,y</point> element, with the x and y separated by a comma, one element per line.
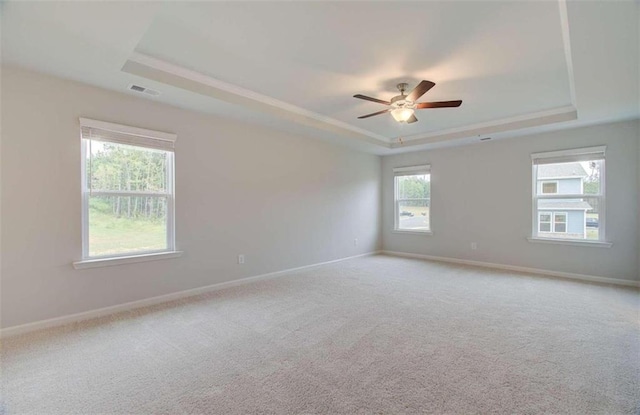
<point>402,114</point>
<point>402,107</point>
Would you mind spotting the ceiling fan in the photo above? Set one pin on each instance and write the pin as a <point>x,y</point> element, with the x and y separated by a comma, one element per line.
<point>402,107</point>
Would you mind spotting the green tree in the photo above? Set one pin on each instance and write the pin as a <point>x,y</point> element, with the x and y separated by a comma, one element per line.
<point>125,168</point>
<point>414,187</point>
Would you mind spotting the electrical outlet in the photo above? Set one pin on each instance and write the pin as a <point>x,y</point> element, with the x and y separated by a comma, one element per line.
<point>355,242</point>
<point>241,259</point>
<point>474,245</point>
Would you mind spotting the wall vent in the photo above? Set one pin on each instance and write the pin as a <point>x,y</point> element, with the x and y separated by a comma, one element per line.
<point>143,90</point>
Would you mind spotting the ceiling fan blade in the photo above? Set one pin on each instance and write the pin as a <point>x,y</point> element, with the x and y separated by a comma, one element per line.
<point>412,119</point>
<point>420,90</point>
<point>439,104</point>
<point>366,98</point>
<point>375,113</point>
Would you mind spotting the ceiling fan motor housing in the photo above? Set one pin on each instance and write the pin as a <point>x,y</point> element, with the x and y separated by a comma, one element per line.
<point>401,101</point>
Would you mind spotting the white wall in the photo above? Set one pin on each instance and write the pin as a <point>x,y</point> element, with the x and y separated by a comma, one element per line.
<point>482,193</point>
<point>283,201</point>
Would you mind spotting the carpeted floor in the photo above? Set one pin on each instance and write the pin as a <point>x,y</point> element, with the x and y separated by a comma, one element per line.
<point>370,335</point>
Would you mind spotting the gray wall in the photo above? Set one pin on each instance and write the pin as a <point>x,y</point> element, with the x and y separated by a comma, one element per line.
<point>283,201</point>
<point>314,199</point>
<point>482,193</point>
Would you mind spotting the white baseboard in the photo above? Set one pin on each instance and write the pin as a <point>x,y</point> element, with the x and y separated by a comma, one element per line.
<point>100,312</point>
<point>570,275</point>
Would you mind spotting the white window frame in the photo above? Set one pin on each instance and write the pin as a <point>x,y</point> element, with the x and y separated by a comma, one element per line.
<point>552,223</point>
<point>566,222</point>
<point>565,156</point>
<point>409,171</point>
<point>540,213</point>
<point>142,138</point>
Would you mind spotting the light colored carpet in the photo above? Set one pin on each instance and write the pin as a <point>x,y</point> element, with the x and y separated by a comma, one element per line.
<point>370,335</point>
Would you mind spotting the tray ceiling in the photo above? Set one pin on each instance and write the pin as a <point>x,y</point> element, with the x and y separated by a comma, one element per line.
<point>296,65</point>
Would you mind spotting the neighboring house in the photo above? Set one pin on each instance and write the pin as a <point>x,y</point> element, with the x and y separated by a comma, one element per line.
<point>565,217</point>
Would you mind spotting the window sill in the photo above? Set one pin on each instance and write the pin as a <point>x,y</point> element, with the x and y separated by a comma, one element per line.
<point>428,233</point>
<point>107,262</point>
<point>594,244</point>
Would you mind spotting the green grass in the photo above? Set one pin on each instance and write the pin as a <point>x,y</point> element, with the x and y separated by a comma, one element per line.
<point>109,234</point>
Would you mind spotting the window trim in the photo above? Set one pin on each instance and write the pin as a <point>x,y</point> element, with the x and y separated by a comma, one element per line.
<point>166,140</point>
<point>574,242</point>
<point>110,261</point>
<point>409,171</point>
<point>563,156</point>
<point>129,130</point>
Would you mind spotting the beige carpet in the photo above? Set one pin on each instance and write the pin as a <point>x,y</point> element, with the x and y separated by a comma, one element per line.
<point>371,335</point>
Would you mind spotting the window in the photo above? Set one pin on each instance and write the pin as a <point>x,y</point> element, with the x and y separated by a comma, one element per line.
<point>127,190</point>
<point>552,222</point>
<point>544,223</point>
<point>412,188</point>
<point>549,188</point>
<point>568,194</point>
<point>559,222</point>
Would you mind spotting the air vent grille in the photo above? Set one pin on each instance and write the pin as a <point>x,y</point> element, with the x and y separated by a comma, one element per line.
<point>144,90</point>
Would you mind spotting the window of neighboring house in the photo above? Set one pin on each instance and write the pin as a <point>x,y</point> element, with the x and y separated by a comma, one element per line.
<point>412,189</point>
<point>544,222</point>
<point>568,194</point>
<point>552,222</point>
<point>549,187</point>
<point>560,222</point>
<point>127,190</point>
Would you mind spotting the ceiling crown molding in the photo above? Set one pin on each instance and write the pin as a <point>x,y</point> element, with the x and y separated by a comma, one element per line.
<point>180,77</point>
<point>568,113</point>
